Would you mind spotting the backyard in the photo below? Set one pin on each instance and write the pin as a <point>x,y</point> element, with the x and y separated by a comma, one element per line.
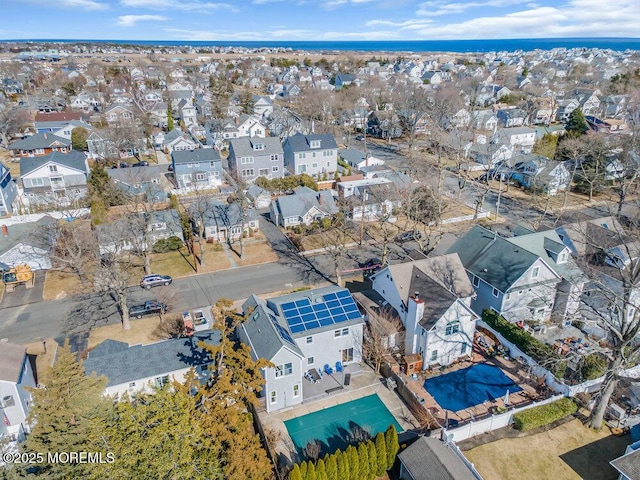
<point>569,452</point>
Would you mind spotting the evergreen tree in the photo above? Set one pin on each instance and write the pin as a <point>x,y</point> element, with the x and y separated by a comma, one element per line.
<point>391,439</point>
<point>363,457</point>
<point>331,466</point>
<point>342,461</point>
<point>311,472</point>
<point>295,473</point>
<point>169,119</point>
<point>577,124</point>
<point>100,186</point>
<point>66,414</point>
<point>79,137</point>
<point>373,457</point>
<point>321,472</point>
<point>303,470</point>
<point>354,463</point>
<point>381,451</point>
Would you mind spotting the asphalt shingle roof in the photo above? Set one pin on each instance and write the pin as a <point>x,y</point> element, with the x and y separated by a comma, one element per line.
<point>302,143</point>
<point>11,360</point>
<point>243,146</point>
<point>430,459</point>
<point>300,203</point>
<point>39,140</point>
<point>74,159</point>
<point>198,155</point>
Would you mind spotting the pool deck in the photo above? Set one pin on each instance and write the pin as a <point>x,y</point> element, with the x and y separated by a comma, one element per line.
<point>367,382</point>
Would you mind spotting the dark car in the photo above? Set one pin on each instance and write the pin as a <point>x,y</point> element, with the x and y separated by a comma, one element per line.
<point>141,163</point>
<point>124,165</point>
<point>408,236</point>
<point>155,280</point>
<point>371,266</point>
<point>147,308</point>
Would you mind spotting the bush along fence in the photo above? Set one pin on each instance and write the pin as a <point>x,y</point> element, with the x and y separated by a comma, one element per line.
<point>544,414</point>
<point>364,461</point>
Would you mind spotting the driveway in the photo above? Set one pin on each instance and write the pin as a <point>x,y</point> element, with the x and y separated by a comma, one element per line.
<point>24,296</point>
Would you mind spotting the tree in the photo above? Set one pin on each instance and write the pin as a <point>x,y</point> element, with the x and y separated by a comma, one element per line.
<point>354,463</point>
<point>66,414</point>
<point>373,457</point>
<point>381,454</point>
<point>303,469</point>
<point>381,325</point>
<point>295,473</point>
<point>100,186</point>
<point>246,101</point>
<point>158,436</point>
<point>11,118</point>
<point>113,276</point>
<point>577,124</point>
<point>331,466</point>
<point>342,461</point>
<point>79,137</point>
<point>391,439</point>
<point>170,125</point>
<point>321,472</point>
<point>311,472</point>
<point>546,146</point>
<point>590,175</point>
<point>364,464</point>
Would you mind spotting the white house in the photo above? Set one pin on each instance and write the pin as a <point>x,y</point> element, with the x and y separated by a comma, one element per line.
<point>141,368</point>
<point>432,298</point>
<point>302,334</point>
<point>311,154</point>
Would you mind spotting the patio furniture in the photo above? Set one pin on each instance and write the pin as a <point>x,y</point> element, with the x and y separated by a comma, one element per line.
<point>347,379</point>
<point>327,369</point>
<point>312,375</point>
<point>338,366</point>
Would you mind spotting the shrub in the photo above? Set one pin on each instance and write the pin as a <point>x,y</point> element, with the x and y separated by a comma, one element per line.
<point>167,244</point>
<point>544,415</point>
<point>593,366</point>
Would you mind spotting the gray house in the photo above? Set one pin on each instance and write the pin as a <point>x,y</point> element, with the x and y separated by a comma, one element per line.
<point>517,283</point>
<point>314,155</point>
<point>197,169</point>
<point>57,177</point>
<point>223,221</point>
<point>8,191</point>
<point>253,157</point>
<point>303,207</point>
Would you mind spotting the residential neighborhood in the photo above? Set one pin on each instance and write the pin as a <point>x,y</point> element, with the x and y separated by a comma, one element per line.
<point>398,265</point>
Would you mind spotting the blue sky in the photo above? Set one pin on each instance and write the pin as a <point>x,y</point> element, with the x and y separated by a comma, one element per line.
<point>229,20</point>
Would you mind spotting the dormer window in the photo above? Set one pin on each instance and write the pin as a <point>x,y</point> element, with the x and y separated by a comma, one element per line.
<point>158,226</point>
<point>562,258</point>
<point>314,144</point>
<point>53,168</point>
<point>258,146</point>
<point>535,272</point>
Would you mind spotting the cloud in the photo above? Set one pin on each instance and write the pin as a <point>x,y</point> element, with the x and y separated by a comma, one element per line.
<point>131,20</point>
<point>81,4</point>
<point>438,8</point>
<point>187,6</point>
<point>264,2</point>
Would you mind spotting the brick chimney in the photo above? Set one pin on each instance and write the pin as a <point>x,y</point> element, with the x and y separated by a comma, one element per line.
<point>5,231</point>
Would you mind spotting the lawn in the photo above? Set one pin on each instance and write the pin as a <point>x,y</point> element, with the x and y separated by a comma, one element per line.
<point>568,452</point>
<point>142,331</point>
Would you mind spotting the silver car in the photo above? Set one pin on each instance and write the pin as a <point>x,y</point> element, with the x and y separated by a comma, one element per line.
<point>155,280</point>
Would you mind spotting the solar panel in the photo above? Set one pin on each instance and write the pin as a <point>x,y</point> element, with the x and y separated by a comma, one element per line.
<point>344,294</point>
<point>335,307</point>
<point>288,306</point>
<point>281,331</point>
<point>297,328</point>
<point>326,321</point>
<point>330,296</point>
<point>353,315</point>
<point>312,324</point>
<point>304,310</point>
<point>303,302</point>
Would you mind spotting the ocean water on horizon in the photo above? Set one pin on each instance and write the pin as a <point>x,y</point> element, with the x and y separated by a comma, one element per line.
<point>457,46</point>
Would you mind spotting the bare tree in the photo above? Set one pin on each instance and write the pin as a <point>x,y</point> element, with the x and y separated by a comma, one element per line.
<point>11,118</point>
<point>382,336</point>
<point>113,276</point>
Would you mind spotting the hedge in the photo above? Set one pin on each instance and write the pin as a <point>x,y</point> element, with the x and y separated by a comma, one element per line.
<point>544,415</point>
<point>539,351</point>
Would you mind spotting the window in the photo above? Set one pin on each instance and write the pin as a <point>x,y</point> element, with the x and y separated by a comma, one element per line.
<point>258,146</point>
<point>247,172</point>
<point>337,333</point>
<point>283,370</point>
<point>347,355</point>
<point>302,168</point>
<point>275,158</point>
<point>434,355</point>
<point>495,292</point>
<point>508,297</point>
<point>263,172</point>
<point>37,182</point>
<point>39,151</point>
<point>162,381</point>
<point>200,177</point>
<point>345,332</point>
<point>53,168</point>
<point>275,168</point>
<point>476,281</point>
<point>314,165</point>
<point>296,391</point>
<point>311,361</point>
<point>189,165</point>
<point>274,399</point>
<point>463,349</point>
<point>309,340</point>
<point>288,368</point>
<point>452,328</point>
<point>535,272</point>
<point>132,384</point>
<point>246,160</point>
<point>301,155</point>
<point>315,144</point>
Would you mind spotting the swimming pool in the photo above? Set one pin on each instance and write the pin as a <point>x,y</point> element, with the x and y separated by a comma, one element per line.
<point>337,427</point>
<point>470,386</point>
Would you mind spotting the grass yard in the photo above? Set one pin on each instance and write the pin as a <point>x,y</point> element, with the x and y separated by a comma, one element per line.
<point>327,238</point>
<point>142,331</point>
<point>59,285</point>
<point>568,452</point>
<point>256,251</point>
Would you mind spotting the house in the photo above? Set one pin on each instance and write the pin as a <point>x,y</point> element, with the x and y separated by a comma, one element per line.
<point>51,122</point>
<point>56,177</point>
<point>298,332</point>
<point>489,154</point>
<point>223,222</point>
<point>132,369</point>
<point>538,172</point>
<point>253,157</point>
<point>16,375</point>
<point>259,197</point>
<point>24,242</point>
<point>118,114</point>
<point>521,139</point>
<point>67,130</point>
<point>343,80</point>
<point>484,120</point>
<point>177,140</point>
<point>511,117</point>
<point>375,198</point>
<point>518,284</point>
<point>188,113</point>
<point>303,207</point>
<point>145,182</point>
<point>139,231</point>
<point>628,464</point>
<point>432,298</point>
<point>384,124</point>
<point>565,108</point>
<point>429,458</point>
<point>357,159</point>
<point>197,169</point>
<point>8,191</point>
<point>314,155</point>
<point>39,145</point>
<point>609,125</point>
<point>262,106</point>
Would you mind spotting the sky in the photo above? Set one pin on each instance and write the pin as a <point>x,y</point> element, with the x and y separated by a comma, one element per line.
<point>330,20</point>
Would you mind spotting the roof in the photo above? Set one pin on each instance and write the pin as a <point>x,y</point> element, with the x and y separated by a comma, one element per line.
<point>492,258</point>
<point>430,459</point>
<point>39,140</point>
<point>629,465</point>
<point>57,117</point>
<point>27,232</point>
<point>298,204</point>
<point>302,143</point>
<point>74,159</point>
<point>243,146</point>
<point>138,362</point>
<point>437,299</point>
<point>11,361</point>
<point>198,155</point>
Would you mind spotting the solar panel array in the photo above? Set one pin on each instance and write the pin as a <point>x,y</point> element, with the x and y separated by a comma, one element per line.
<point>302,315</point>
<point>282,331</point>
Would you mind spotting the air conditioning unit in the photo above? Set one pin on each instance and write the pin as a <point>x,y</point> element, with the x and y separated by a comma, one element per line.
<point>8,401</point>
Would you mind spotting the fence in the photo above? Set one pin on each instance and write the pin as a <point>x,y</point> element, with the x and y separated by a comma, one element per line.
<point>418,410</point>
<point>454,448</point>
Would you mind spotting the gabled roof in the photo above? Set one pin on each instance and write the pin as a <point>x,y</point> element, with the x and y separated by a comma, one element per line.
<point>224,214</point>
<point>430,459</point>
<point>300,203</point>
<point>39,140</point>
<point>74,159</point>
<point>197,155</point>
<point>57,117</point>
<point>138,362</point>
<point>302,143</point>
<point>11,361</point>
<point>244,146</point>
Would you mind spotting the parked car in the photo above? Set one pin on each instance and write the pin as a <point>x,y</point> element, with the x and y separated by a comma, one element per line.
<point>147,308</point>
<point>371,266</point>
<point>141,163</point>
<point>155,280</point>
<point>124,165</point>
<point>408,236</point>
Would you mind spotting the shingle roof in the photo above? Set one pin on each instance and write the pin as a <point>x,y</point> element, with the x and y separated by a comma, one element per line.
<point>243,146</point>
<point>299,204</point>
<point>198,155</point>
<point>138,362</point>
<point>302,143</point>
<point>39,140</point>
<point>11,361</point>
<point>628,465</point>
<point>430,459</point>
<point>74,159</point>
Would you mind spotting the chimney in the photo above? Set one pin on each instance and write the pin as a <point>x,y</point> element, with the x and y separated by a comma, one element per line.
<point>319,198</point>
<point>5,231</point>
<point>46,136</point>
<point>366,160</point>
<point>416,297</point>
